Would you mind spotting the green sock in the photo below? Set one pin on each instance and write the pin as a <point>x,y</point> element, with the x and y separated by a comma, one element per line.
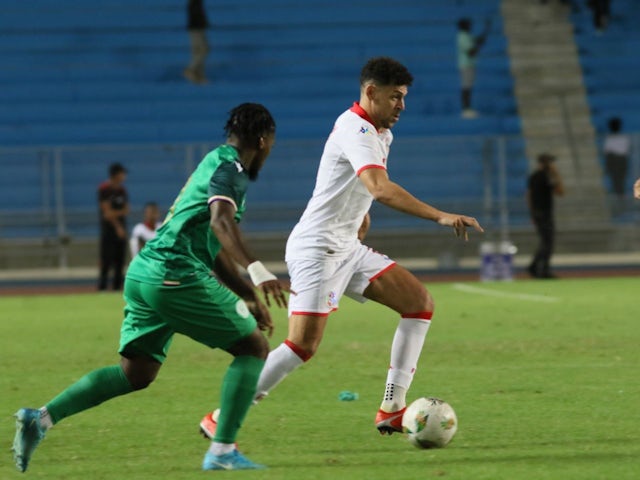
<point>238,389</point>
<point>91,390</point>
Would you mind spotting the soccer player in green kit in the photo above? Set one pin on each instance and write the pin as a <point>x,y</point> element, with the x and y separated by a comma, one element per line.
<point>169,289</point>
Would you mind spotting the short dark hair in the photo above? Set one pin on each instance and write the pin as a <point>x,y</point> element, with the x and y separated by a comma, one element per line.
<point>615,124</point>
<point>116,168</point>
<point>385,71</point>
<point>249,122</point>
<point>464,24</point>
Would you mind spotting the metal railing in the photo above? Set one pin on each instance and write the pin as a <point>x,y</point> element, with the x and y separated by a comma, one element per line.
<point>48,193</point>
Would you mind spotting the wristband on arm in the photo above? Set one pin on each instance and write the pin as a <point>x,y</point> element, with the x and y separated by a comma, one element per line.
<point>259,274</point>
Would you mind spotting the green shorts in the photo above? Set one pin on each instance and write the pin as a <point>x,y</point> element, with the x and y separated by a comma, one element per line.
<point>204,310</point>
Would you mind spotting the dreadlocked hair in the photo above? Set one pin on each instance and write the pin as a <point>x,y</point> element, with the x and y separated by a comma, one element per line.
<point>385,71</point>
<point>249,122</point>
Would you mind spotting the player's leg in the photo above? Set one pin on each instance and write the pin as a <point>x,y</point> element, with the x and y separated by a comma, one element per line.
<point>303,339</point>
<point>213,315</point>
<point>236,396</point>
<point>141,336</point>
<point>319,285</point>
<point>105,261</point>
<point>119,255</point>
<point>401,291</point>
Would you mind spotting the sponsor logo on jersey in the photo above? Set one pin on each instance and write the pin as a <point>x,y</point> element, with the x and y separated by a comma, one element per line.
<point>242,309</point>
<point>366,131</point>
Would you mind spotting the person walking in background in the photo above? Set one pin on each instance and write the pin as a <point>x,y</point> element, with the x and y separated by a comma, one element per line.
<point>543,184</point>
<point>617,146</point>
<point>197,25</point>
<point>468,48</point>
<point>145,230</point>
<point>113,202</point>
<point>170,289</point>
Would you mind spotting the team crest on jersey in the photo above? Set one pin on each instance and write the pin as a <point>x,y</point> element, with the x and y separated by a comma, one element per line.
<point>365,130</point>
<point>332,300</point>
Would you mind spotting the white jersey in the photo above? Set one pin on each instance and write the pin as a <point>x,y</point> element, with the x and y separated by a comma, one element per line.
<point>141,232</point>
<point>330,222</point>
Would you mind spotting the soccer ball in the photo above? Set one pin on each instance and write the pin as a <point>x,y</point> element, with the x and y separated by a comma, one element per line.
<point>429,423</point>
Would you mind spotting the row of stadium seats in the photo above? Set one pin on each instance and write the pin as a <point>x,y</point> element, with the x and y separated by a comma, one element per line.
<point>111,73</point>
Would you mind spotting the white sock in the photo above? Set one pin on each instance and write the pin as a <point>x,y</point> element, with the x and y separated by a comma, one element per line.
<point>45,419</point>
<point>218,448</point>
<point>405,352</point>
<point>280,362</point>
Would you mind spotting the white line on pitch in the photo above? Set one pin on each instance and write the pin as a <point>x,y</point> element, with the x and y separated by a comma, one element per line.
<point>495,293</point>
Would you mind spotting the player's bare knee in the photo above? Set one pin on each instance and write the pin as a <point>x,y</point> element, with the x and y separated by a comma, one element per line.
<point>254,344</point>
<point>139,372</point>
<point>422,302</point>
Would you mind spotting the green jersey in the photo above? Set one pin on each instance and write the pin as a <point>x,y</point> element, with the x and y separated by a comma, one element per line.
<point>184,248</point>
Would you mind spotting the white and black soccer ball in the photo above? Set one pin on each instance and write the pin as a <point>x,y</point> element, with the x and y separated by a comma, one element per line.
<point>429,423</point>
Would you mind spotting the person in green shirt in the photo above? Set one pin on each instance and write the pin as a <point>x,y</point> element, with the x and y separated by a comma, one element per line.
<point>169,288</point>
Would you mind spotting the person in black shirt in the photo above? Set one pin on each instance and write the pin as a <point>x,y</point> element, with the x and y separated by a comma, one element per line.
<point>197,25</point>
<point>543,184</point>
<point>114,207</point>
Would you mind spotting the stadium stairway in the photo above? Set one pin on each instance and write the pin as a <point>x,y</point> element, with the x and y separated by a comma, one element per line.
<point>553,105</point>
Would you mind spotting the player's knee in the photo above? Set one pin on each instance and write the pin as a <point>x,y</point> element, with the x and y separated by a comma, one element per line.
<point>305,349</point>
<point>422,302</point>
<point>139,372</point>
<point>254,345</point>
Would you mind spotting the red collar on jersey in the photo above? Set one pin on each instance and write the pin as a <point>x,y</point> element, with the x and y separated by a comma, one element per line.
<point>357,109</point>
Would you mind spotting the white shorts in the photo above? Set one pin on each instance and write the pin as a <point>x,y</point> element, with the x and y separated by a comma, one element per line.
<point>319,284</point>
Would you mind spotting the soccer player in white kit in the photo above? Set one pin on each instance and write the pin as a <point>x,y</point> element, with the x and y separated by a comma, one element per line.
<point>145,230</point>
<point>325,256</point>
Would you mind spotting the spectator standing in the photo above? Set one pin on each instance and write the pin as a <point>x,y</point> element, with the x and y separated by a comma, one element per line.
<point>543,184</point>
<point>114,208</point>
<point>617,147</point>
<point>197,25</point>
<point>145,230</point>
<point>468,48</point>
<point>601,10</point>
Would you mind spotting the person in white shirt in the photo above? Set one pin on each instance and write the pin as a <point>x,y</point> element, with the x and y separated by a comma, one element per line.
<point>145,230</point>
<point>617,147</point>
<point>326,259</point>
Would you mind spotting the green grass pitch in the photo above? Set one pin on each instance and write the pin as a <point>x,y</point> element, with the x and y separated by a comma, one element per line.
<point>543,376</point>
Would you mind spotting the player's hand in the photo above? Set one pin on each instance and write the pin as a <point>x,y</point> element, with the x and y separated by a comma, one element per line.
<point>262,316</point>
<point>121,232</point>
<point>275,289</point>
<point>636,189</point>
<point>460,224</point>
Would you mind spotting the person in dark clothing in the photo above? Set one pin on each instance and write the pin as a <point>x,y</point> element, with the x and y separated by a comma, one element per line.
<point>601,12</point>
<point>543,184</point>
<point>197,25</point>
<point>114,207</point>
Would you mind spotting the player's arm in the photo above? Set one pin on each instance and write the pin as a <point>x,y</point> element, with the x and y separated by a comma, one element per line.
<point>636,189</point>
<point>226,230</point>
<point>389,193</point>
<point>227,271</point>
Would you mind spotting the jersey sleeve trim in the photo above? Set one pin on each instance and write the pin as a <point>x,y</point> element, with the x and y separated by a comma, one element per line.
<point>224,198</point>
<point>367,167</point>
